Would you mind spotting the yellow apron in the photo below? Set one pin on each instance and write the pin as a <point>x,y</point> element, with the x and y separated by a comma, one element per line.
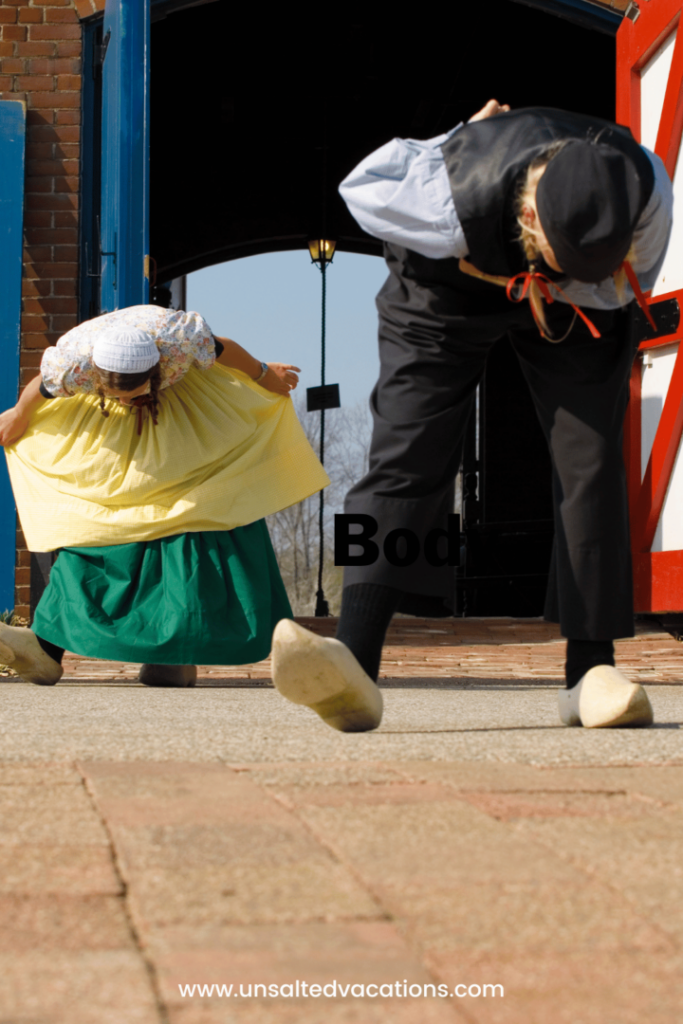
<point>225,453</point>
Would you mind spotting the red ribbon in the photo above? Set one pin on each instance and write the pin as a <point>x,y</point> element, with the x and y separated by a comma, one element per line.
<point>144,402</point>
<point>637,291</point>
<point>542,281</point>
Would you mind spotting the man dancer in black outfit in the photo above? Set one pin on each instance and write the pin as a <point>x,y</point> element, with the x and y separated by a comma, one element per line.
<point>541,204</point>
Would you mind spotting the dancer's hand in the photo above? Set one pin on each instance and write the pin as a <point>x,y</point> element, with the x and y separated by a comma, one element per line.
<point>281,378</point>
<point>491,108</point>
<point>13,425</point>
<point>14,422</point>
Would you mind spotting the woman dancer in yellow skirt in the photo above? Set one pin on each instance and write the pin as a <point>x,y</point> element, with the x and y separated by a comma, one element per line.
<point>147,452</point>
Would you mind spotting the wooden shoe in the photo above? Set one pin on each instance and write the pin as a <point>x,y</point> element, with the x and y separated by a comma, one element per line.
<point>168,675</point>
<point>323,675</point>
<point>19,648</point>
<point>604,698</point>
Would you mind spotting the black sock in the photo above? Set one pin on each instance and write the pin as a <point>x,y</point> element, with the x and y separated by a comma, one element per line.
<point>366,612</point>
<point>584,654</point>
<point>56,653</point>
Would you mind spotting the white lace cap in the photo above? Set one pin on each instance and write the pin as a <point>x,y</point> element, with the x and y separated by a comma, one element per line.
<point>127,350</point>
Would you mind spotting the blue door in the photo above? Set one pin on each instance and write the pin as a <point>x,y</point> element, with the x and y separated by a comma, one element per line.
<point>124,223</point>
<point>12,146</point>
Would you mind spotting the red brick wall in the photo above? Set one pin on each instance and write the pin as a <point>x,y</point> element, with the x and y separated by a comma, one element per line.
<point>40,62</point>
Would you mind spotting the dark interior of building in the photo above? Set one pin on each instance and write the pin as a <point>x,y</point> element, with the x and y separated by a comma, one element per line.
<point>256,118</point>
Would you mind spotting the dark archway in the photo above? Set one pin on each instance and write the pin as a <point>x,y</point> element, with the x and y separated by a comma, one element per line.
<point>256,118</point>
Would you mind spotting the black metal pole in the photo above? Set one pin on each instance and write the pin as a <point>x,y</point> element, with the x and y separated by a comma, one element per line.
<point>322,608</point>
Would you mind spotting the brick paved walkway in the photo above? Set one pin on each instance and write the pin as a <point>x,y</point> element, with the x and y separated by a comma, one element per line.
<point>122,882</point>
<point>271,850</point>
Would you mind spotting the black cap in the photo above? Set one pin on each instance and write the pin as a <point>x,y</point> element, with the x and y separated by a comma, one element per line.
<point>589,199</point>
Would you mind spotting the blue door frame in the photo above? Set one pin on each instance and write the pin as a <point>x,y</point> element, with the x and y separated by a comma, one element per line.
<point>124,226</point>
<point>12,147</point>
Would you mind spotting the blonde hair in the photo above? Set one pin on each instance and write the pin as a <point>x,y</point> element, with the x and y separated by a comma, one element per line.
<point>620,279</point>
<point>528,236</point>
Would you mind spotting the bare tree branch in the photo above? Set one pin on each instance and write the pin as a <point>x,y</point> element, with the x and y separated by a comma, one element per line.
<point>295,532</point>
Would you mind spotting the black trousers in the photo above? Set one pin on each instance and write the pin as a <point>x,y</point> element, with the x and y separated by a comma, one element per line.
<point>436,328</point>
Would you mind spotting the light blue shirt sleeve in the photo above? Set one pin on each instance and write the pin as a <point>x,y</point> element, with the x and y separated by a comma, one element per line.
<point>401,193</point>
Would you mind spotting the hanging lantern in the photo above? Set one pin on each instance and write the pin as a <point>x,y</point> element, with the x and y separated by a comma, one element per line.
<point>321,250</point>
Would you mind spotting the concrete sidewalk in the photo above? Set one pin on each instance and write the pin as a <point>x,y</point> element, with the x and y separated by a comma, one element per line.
<point>157,839</point>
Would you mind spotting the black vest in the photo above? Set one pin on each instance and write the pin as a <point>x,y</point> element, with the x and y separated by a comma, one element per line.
<point>487,161</point>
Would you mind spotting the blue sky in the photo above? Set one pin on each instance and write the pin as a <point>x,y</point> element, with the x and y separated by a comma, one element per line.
<point>270,304</point>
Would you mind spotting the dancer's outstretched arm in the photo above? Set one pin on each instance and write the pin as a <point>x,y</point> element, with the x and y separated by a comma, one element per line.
<point>14,422</point>
<point>281,377</point>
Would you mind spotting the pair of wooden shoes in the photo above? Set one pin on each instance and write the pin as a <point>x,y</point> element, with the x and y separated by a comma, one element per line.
<point>323,675</point>
<point>19,648</point>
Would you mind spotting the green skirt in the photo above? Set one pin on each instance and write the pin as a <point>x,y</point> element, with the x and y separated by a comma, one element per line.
<point>209,598</point>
